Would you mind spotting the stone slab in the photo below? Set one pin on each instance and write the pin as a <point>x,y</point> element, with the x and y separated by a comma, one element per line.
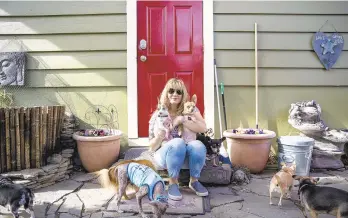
<point>83,177</point>
<point>94,197</point>
<point>55,192</point>
<point>222,195</point>
<point>190,204</point>
<point>72,205</point>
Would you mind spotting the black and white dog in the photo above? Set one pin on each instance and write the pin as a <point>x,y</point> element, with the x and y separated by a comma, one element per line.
<point>212,146</point>
<point>14,196</point>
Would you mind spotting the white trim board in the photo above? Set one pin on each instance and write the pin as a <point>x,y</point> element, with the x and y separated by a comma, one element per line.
<point>208,45</point>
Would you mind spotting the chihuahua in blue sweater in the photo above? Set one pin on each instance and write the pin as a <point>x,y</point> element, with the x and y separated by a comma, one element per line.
<point>142,174</point>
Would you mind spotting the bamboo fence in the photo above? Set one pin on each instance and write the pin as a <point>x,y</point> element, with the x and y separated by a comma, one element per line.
<point>28,136</point>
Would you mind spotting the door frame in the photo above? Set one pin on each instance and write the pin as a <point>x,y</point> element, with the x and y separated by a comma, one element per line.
<point>208,66</point>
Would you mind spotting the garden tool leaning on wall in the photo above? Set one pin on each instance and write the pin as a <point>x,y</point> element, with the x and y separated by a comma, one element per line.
<point>223,157</point>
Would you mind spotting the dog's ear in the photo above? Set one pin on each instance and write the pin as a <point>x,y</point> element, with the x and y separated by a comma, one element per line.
<point>194,98</point>
<point>295,177</point>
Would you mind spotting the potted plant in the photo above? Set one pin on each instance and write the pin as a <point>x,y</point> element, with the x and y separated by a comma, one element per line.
<point>99,148</point>
<point>250,147</point>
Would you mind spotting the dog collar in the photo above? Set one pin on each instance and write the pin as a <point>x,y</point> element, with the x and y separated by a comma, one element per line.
<point>299,190</point>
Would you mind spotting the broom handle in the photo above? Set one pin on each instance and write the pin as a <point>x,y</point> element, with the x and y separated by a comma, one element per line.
<point>217,96</point>
<point>223,102</point>
<point>256,82</point>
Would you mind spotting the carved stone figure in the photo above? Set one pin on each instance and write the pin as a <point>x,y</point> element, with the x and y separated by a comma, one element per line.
<point>12,68</point>
<point>329,143</point>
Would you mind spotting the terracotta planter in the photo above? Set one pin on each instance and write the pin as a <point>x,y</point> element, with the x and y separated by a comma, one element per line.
<point>98,152</point>
<point>249,150</point>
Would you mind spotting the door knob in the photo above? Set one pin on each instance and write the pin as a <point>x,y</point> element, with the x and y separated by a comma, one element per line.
<point>143,58</point>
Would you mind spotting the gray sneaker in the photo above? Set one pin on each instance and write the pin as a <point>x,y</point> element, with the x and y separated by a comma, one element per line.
<point>174,193</point>
<point>199,189</point>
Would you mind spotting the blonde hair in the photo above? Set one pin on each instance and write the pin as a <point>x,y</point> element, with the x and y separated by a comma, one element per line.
<point>178,84</point>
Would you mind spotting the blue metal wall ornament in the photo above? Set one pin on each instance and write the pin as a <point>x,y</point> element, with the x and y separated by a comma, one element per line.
<point>328,48</point>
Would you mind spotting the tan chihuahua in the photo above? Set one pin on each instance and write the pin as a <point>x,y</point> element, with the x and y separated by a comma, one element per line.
<point>282,180</point>
<point>189,108</point>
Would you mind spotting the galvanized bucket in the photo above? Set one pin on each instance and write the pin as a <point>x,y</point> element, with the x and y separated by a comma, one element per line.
<point>296,148</point>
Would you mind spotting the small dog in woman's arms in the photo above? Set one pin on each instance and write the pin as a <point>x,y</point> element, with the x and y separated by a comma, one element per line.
<point>143,175</point>
<point>163,121</point>
<point>321,200</point>
<point>14,196</point>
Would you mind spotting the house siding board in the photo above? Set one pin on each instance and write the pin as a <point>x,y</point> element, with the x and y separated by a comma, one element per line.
<point>285,31</point>
<point>76,53</point>
<point>289,70</point>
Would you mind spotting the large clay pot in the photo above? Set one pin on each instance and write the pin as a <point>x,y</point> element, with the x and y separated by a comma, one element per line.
<point>98,152</point>
<point>249,150</point>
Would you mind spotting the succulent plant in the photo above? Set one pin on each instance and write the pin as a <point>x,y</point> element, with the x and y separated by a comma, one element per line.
<point>248,131</point>
<point>93,132</point>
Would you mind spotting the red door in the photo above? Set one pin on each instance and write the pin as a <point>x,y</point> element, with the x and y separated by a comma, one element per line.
<point>173,32</point>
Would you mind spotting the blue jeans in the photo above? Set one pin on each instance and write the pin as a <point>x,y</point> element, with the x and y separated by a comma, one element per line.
<point>171,156</point>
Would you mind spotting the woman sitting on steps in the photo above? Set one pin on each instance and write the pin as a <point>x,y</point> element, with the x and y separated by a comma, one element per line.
<point>171,154</point>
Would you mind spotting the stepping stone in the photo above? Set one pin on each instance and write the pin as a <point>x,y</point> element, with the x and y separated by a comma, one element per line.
<point>190,204</point>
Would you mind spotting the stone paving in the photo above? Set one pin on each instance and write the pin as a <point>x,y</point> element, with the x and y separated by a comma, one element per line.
<point>81,196</point>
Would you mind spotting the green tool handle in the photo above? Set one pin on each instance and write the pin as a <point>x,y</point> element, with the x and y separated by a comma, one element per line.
<point>222,88</point>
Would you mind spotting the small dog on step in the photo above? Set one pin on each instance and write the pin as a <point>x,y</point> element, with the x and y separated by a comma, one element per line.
<point>319,199</point>
<point>142,174</point>
<point>212,145</point>
<point>282,182</point>
<point>14,196</point>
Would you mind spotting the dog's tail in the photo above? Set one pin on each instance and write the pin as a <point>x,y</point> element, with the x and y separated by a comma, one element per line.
<point>108,178</point>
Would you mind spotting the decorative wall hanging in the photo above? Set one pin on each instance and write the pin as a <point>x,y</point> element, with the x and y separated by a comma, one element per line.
<point>12,68</point>
<point>328,48</point>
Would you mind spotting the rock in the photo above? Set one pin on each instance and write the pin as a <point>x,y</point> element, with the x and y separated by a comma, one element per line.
<point>216,175</point>
<point>68,151</point>
<point>67,155</point>
<point>22,182</point>
<point>55,159</point>
<point>27,174</point>
<point>329,143</point>
<point>49,168</point>
<point>323,161</point>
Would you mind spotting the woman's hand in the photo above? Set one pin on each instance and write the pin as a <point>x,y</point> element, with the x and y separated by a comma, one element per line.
<point>178,120</point>
<point>196,123</point>
<point>161,134</point>
<point>156,142</point>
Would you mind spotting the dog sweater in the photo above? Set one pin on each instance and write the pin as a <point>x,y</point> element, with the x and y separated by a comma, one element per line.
<point>141,175</point>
